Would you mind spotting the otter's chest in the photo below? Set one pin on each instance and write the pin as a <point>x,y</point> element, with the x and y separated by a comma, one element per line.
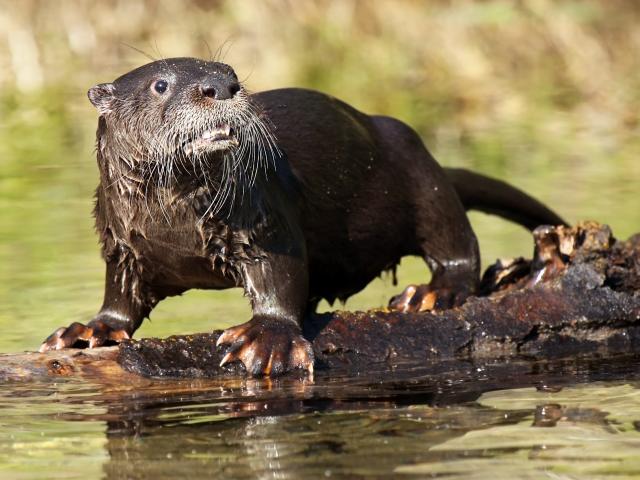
<point>175,249</point>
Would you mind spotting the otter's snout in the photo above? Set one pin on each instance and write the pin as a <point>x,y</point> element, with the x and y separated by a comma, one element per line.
<point>219,88</point>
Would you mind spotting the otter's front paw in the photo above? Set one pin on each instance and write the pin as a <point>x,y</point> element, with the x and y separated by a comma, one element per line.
<point>77,335</point>
<point>267,346</point>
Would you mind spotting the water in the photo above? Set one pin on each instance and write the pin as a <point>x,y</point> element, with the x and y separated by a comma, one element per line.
<point>341,426</point>
<point>407,424</point>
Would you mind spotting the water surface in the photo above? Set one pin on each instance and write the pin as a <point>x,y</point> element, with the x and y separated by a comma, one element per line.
<point>577,419</point>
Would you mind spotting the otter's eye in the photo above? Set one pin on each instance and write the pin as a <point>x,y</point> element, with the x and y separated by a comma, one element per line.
<point>160,86</point>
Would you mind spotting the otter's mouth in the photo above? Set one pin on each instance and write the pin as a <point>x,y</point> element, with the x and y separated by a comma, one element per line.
<point>221,137</point>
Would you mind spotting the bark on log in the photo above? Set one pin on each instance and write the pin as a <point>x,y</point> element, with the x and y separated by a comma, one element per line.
<point>578,295</point>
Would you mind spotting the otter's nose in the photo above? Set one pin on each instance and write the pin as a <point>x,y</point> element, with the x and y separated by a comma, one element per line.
<point>220,90</point>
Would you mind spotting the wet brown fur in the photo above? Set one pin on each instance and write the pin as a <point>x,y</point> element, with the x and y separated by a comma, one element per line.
<point>320,202</point>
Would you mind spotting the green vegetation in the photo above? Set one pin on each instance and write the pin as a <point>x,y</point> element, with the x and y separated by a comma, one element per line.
<point>543,93</point>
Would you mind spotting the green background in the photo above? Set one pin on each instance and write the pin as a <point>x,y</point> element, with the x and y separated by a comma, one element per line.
<point>544,94</point>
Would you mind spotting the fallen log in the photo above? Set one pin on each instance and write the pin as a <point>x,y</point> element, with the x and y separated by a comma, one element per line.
<point>578,295</point>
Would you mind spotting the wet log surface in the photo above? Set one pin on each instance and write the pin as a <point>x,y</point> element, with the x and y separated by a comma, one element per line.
<point>577,296</point>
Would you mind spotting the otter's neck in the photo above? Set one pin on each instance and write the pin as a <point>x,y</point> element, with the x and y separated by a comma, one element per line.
<point>199,192</point>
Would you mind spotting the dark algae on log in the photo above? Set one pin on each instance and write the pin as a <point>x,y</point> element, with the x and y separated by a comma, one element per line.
<point>177,356</point>
<point>577,296</point>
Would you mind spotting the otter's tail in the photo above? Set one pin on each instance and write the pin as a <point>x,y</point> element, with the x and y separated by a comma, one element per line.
<point>489,195</point>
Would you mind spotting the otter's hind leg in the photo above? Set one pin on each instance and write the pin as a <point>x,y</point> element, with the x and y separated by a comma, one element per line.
<point>455,275</point>
<point>451,284</point>
<point>448,245</point>
<point>442,234</point>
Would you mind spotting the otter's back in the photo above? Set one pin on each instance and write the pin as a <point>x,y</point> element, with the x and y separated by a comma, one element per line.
<point>354,216</point>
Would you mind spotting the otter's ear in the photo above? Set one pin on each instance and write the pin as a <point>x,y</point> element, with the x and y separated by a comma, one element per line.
<point>101,96</point>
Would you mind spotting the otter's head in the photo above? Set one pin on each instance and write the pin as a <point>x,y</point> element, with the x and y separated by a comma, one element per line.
<point>181,112</point>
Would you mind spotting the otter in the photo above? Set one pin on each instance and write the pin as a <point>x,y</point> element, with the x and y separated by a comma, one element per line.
<point>291,194</point>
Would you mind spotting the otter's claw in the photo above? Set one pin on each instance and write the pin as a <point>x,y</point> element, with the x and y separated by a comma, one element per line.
<point>78,335</point>
<point>267,346</point>
<point>424,298</point>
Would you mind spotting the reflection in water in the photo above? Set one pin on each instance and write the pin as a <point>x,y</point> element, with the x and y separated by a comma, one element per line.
<point>478,423</point>
<point>336,427</point>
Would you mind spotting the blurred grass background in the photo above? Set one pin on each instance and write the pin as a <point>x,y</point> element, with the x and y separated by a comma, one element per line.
<point>543,93</point>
